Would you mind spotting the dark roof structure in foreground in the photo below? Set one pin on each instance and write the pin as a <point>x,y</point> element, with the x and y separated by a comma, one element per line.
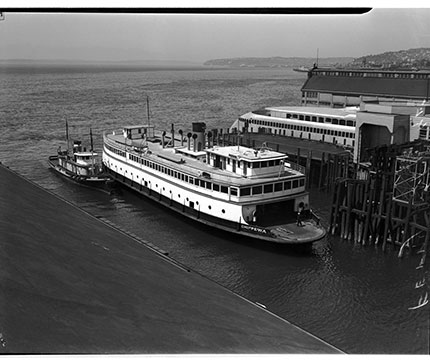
<point>74,284</point>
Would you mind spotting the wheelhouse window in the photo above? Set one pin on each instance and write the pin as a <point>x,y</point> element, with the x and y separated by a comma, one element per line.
<point>257,190</point>
<point>278,186</point>
<point>268,188</point>
<point>245,191</point>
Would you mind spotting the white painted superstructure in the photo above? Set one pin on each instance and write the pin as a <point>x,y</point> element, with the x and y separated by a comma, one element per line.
<point>234,188</point>
<point>331,125</point>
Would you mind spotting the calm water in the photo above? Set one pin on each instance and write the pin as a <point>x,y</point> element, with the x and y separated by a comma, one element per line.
<point>353,297</point>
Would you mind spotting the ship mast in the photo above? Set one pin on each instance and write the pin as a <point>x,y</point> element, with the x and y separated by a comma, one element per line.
<point>317,55</point>
<point>92,151</point>
<point>67,137</point>
<point>147,110</point>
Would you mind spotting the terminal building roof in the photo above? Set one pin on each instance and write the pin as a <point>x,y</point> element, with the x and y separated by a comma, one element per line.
<point>401,84</point>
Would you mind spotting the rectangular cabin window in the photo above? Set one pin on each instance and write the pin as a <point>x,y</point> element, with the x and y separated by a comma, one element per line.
<point>224,189</point>
<point>208,185</point>
<point>271,163</point>
<point>301,117</point>
<point>245,191</point>
<point>335,121</point>
<point>287,185</point>
<point>196,182</point>
<point>268,188</point>
<point>302,182</point>
<point>314,118</point>
<point>278,186</point>
<point>215,187</point>
<point>256,165</point>
<point>191,180</point>
<point>264,164</point>
<point>307,118</point>
<point>320,119</point>
<point>295,183</point>
<point>257,190</point>
<point>233,191</point>
<point>202,183</point>
<point>186,178</point>
<point>328,120</point>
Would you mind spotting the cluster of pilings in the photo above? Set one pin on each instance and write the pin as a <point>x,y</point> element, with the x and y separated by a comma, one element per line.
<point>390,204</point>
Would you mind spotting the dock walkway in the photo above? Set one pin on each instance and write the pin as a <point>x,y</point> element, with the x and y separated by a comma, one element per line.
<point>72,284</point>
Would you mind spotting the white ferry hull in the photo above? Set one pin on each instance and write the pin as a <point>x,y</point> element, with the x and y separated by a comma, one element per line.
<point>203,208</point>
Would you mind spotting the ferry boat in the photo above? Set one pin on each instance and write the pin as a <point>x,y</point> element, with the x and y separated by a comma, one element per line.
<point>334,125</point>
<point>301,69</point>
<point>330,125</point>
<point>257,193</point>
<point>80,165</point>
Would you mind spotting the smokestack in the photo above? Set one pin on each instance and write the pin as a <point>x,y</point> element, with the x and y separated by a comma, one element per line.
<point>199,131</point>
<point>162,138</point>
<point>194,142</point>
<point>182,137</point>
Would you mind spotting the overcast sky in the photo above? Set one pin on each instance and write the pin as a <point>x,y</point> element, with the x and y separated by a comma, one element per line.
<point>201,37</point>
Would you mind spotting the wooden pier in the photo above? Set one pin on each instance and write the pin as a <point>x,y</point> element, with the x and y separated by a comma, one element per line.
<point>387,203</point>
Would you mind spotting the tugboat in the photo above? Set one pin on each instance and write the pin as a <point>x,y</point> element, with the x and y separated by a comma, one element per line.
<point>80,165</point>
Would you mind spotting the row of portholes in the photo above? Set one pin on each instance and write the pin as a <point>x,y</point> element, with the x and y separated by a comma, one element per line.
<point>179,195</point>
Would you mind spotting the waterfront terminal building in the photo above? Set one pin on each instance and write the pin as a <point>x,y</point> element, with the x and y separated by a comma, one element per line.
<point>342,87</point>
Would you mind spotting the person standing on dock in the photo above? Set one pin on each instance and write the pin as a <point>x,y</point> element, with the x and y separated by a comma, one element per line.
<point>299,214</point>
